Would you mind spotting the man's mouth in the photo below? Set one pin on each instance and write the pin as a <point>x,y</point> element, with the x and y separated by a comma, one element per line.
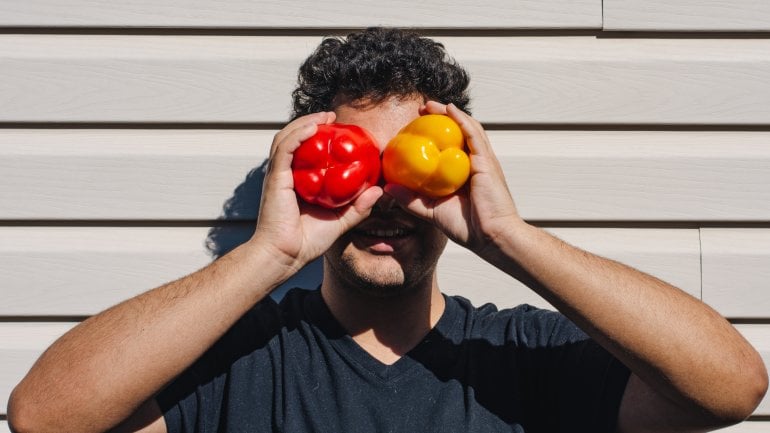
<point>382,241</point>
<point>384,235</point>
<point>385,232</point>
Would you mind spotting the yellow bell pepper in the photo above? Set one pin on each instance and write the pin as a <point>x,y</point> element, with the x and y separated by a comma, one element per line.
<point>428,156</point>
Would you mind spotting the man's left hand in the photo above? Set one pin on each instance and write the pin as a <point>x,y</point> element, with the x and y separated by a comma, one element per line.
<point>480,210</point>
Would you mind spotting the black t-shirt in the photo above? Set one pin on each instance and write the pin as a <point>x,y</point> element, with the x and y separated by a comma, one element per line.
<point>292,368</point>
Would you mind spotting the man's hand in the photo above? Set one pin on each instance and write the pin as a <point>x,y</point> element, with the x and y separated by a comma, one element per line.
<point>297,231</point>
<point>116,354</point>
<point>716,377</point>
<point>483,208</point>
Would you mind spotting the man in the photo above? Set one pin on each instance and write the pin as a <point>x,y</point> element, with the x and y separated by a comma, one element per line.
<point>379,348</point>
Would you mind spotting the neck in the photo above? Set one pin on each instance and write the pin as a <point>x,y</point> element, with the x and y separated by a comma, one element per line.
<point>386,327</point>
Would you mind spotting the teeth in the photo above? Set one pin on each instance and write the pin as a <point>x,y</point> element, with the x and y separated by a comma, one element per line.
<point>385,233</point>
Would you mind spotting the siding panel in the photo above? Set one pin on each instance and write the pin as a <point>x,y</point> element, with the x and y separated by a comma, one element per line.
<point>670,254</point>
<point>301,14</point>
<point>74,78</point>
<point>554,175</point>
<point>748,427</point>
<point>144,201</point>
<point>537,80</point>
<point>736,271</point>
<point>687,15</point>
<point>82,270</point>
<point>107,174</point>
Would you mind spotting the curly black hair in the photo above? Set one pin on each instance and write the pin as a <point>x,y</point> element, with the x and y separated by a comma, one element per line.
<point>375,64</point>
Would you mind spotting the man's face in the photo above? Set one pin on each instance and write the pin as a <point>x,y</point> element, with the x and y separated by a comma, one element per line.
<point>391,252</point>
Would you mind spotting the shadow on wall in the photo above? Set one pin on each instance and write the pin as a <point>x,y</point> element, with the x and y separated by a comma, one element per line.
<point>236,226</point>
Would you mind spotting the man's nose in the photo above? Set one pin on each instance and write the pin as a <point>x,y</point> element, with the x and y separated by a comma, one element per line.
<point>385,203</point>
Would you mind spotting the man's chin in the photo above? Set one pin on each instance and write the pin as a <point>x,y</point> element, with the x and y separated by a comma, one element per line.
<point>385,275</point>
<point>381,284</point>
<point>380,277</point>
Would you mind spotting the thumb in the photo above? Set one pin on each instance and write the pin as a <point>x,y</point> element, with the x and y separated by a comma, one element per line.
<point>360,208</point>
<point>411,201</point>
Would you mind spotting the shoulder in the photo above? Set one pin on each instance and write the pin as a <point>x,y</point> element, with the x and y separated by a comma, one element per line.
<point>523,324</point>
<point>270,313</point>
<point>263,322</point>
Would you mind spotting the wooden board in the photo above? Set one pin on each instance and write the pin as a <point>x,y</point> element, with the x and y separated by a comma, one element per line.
<point>554,175</point>
<point>736,271</point>
<point>302,14</point>
<point>82,270</point>
<point>687,15</point>
<point>520,80</point>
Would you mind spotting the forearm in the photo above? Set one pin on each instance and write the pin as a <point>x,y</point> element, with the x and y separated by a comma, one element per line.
<point>683,350</point>
<point>675,343</point>
<point>101,371</point>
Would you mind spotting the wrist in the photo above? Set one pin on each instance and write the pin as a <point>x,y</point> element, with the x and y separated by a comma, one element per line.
<point>268,261</point>
<point>505,245</point>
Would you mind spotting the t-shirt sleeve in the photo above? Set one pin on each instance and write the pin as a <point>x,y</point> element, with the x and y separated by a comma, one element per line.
<point>575,384</point>
<point>193,401</point>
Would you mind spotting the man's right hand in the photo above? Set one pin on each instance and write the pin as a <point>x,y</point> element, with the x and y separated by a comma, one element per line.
<point>126,354</point>
<point>297,231</point>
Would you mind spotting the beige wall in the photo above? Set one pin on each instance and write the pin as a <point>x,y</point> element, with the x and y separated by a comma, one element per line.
<point>131,138</point>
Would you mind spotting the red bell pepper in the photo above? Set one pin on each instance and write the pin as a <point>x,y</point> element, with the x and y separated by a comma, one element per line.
<point>335,165</point>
